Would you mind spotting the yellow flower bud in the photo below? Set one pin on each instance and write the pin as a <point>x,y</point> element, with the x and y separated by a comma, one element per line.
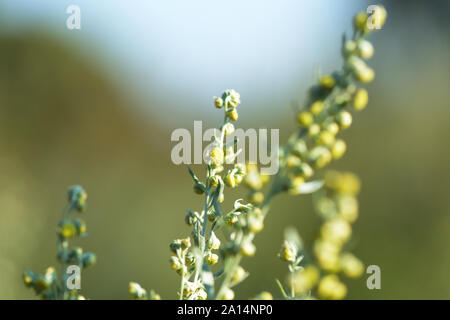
<point>214,181</point>
<point>175,263</point>
<point>316,107</point>
<point>292,161</point>
<point>256,224</point>
<point>361,99</point>
<point>351,266</point>
<point>305,279</point>
<point>338,149</point>
<point>365,49</point>
<point>228,294</point>
<point>333,128</point>
<point>326,138</point>
<point>136,291</point>
<point>218,102</point>
<point>265,295</point>
<point>313,130</point>
<point>348,208</point>
<point>379,17</point>
<point>238,275</point>
<point>257,197</point>
<point>306,171</point>
<point>212,258</point>
<point>230,179</point>
<point>360,21</point>
<point>248,249</point>
<point>336,230</point>
<point>288,252</point>
<point>331,288</point>
<point>305,119</point>
<point>327,81</point>
<point>228,129</point>
<point>214,242</point>
<point>344,119</point>
<point>365,75</point>
<point>233,114</point>
<point>217,156</point>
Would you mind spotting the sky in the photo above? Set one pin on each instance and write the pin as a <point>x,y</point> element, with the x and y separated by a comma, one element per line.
<point>175,51</point>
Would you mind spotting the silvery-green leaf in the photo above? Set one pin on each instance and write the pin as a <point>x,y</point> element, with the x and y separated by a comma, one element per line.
<point>310,187</point>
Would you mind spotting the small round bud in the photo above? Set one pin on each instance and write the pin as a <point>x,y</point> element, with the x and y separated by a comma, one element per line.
<point>257,197</point>
<point>336,230</point>
<point>306,170</point>
<point>256,224</point>
<point>333,128</point>
<point>378,17</point>
<point>344,119</point>
<point>214,181</point>
<point>230,179</point>
<point>248,249</point>
<point>67,229</point>
<point>365,75</point>
<point>360,99</point>
<point>212,258</point>
<point>217,156</point>
<point>77,198</point>
<point>175,263</point>
<point>265,295</point>
<point>351,266</point>
<point>80,225</point>
<point>221,198</point>
<point>136,291</point>
<point>349,48</point>
<point>233,114</point>
<point>320,156</point>
<point>326,138</point>
<point>348,208</point>
<point>218,102</point>
<point>338,149</point>
<point>331,288</point>
<point>228,129</point>
<point>292,161</point>
<point>365,49</point>
<point>305,119</point>
<point>238,275</point>
<point>327,81</point>
<point>228,294</point>
<point>214,242</point>
<point>313,130</point>
<point>288,252</point>
<point>316,107</point>
<point>360,21</point>
<point>198,189</point>
<point>89,259</point>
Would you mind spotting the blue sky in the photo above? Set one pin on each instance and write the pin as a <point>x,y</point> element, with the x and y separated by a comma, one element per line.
<point>177,49</point>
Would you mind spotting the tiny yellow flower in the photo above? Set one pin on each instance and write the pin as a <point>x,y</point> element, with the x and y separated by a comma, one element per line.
<point>361,99</point>
<point>305,119</point>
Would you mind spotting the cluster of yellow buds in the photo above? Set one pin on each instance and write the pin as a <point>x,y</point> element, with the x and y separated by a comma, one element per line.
<point>235,176</point>
<point>49,286</point>
<point>339,207</point>
<point>181,258</point>
<point>138,293</point>
<point>194,290</point>
<point>213,244</point>
<point>325,114</point>
<point>255,181</point>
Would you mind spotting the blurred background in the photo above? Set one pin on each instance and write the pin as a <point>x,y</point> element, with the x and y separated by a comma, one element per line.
<point>97,107</point>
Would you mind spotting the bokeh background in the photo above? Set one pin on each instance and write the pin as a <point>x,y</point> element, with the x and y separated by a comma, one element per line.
<point>97,106</point>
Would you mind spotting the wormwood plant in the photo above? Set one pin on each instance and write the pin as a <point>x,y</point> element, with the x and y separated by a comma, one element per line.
<point>209,264</point>
<point>51,285</point>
